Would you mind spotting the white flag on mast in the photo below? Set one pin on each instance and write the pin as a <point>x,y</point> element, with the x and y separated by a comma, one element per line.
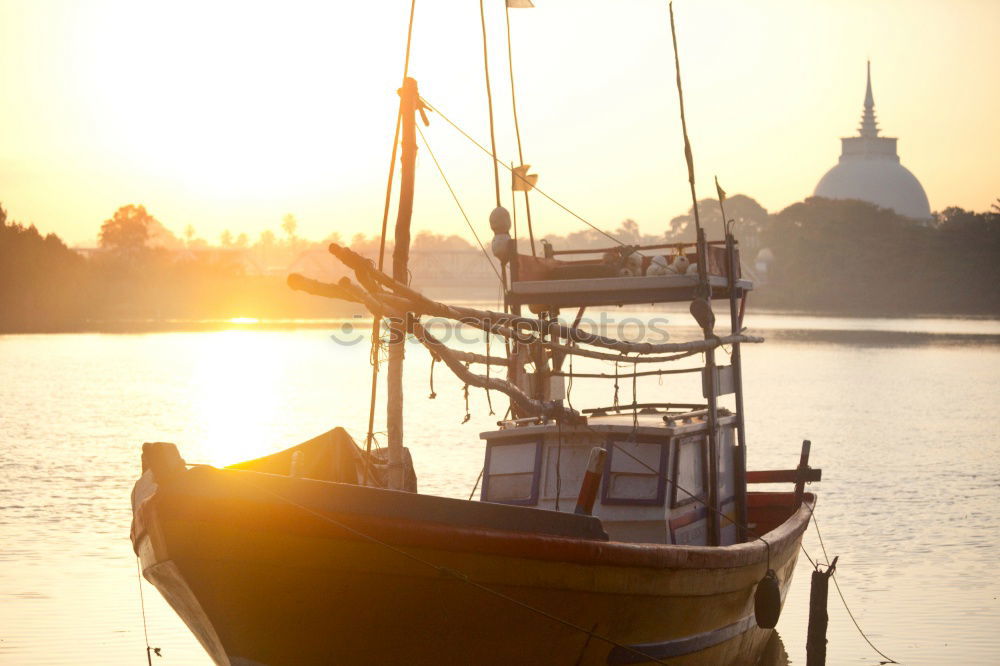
<point>519,4</point>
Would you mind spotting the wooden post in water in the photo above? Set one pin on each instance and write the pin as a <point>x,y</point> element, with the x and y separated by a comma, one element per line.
<point>818,618</point>
<point>408,102</point>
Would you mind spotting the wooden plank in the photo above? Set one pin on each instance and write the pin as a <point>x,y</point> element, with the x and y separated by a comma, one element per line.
<point>723,383</point>
<point>783,475</point>
<point>800,483</point>
<point>617,290</point>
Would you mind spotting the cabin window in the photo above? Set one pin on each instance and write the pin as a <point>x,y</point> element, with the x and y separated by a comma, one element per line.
<point>689,473</point>
<point>635,471</point>
<point>512,472</point>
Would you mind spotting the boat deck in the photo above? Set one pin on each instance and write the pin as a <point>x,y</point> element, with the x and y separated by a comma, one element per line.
<point>618,290</point>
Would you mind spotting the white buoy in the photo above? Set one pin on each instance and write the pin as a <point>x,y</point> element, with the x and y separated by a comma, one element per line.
<point>633,263</point>
<point>659,265</point>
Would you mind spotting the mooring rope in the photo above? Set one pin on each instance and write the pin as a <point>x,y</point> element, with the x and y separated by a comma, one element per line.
<point>142,606</point>
<point>889,660</point>
<point>812,515</point>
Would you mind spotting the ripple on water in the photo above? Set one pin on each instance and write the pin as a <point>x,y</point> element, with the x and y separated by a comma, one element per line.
<point>905,436</point>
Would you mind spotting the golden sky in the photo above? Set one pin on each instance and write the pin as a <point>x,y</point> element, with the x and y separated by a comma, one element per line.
<point>228,115</point>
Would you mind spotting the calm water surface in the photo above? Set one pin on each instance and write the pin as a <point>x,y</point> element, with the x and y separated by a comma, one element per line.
<point>903,421</point>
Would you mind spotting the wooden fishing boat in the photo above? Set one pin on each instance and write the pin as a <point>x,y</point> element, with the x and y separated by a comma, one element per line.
<point>612,535</point>
<point>268,568</point>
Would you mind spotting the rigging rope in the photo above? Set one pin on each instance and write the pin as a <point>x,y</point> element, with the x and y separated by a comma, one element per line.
<point>559,464</point>
<point>489,101</point>
<point>465,392</point>
<point>488,401</point>
<point>687,144</point>
<point>635,399</point>
<point>513,208</point>
<point>476,485</point>
<point>536,188</point>
<point>889,660</point>
<point>517,132</point>
<point>615,400</point>
<point>458,203</point>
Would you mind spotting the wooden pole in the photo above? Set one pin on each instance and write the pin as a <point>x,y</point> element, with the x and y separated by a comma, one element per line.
<point>701,309</point>
<point>408,101</point>
<point>707,320</point>
<point>818,618</point>
<point>740,452</point>
<point>802,471</point>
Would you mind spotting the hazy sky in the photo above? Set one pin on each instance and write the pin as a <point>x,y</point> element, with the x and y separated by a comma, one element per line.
<point>230,115</point>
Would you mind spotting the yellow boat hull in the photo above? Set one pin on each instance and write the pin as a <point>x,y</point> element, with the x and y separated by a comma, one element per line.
<point>262,575</point>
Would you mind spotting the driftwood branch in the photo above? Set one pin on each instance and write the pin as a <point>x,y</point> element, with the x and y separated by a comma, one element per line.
<point>470,357</point>
<point>454,360</point>
<point>529,405</point>
<point>317,288</point>
<point>509,326</point>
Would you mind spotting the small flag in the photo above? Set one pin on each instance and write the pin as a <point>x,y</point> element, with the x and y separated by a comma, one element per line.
<point>519,4</point>
<point>718,188</point>
<point>522,180</point>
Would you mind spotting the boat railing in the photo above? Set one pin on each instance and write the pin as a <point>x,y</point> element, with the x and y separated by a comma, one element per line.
<point>687,407</point>
<point>799,476</point>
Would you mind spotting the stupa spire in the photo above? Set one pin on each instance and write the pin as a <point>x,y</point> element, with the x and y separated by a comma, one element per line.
<point>869,128</point>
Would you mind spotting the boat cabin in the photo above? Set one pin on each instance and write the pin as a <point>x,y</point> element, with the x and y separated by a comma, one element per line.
<point>655,480</point>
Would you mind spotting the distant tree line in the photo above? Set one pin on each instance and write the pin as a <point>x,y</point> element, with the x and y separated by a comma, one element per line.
<point>143,276</point>
<point>851,257</point>
<point>819,255</point>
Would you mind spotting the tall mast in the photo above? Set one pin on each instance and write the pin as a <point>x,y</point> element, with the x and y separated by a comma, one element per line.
<point>701,310</point>
<point>408,104</point>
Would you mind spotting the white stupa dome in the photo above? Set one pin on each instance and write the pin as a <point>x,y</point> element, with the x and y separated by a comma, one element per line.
<point>869,170</point>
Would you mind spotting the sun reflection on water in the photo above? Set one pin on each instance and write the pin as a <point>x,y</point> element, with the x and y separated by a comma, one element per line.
<point>237,379</point>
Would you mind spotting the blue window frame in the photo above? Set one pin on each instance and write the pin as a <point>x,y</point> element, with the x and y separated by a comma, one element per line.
<point>637,477</point>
